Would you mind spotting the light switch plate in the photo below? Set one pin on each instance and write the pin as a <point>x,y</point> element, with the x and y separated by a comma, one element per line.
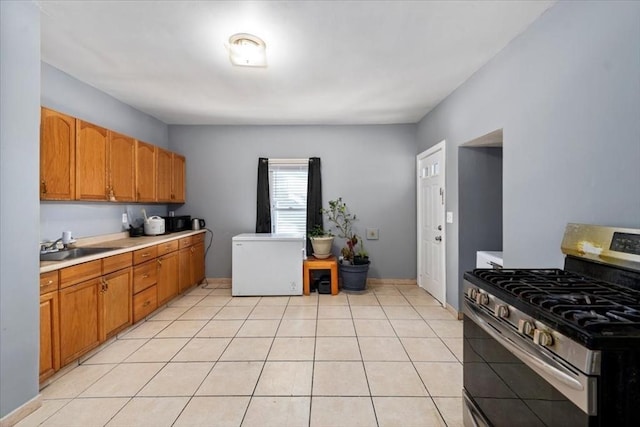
<point>372,234</point>
<point>449,217</point>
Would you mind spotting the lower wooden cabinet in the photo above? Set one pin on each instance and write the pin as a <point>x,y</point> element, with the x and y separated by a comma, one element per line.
<point>197,262</point>
<point>115,293</point>
<point>80,314</point>
<point>191,261</point>
<point>84,305</point>
<point>145,303</point>
<point>49,335</point>
<point>167,277</point>
<point>184,270</point>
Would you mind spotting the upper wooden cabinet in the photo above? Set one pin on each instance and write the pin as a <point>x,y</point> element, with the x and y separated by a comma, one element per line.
<point>164,175</point>
<point>57,155</point>
<point>91,162</point>
<point>170,177</point>
<point>121,167</point>
<point>83,161</point>
<point>145,172</point>
<point>178,170</point>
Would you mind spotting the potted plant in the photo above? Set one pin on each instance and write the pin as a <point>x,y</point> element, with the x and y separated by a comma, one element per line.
<point>354,263</point>
<point>321,241</point>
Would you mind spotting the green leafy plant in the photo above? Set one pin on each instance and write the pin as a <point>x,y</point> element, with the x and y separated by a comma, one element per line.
<point>318,231</point>
<point>342,219</point>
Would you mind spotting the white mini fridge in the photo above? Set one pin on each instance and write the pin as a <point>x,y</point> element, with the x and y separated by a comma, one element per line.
<point>267,264</point>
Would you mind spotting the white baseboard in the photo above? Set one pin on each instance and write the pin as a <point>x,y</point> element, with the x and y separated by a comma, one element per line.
<point>18,414</point>
<point>457,314</point>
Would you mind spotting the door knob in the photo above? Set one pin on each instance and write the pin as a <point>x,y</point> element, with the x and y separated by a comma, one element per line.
<point>439,228</point>
<point>438,238</point>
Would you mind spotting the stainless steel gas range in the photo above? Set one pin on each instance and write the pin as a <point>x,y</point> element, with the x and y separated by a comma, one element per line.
<point>550,347</point>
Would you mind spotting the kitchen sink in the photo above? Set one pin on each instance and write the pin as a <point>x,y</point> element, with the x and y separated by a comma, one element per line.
<point>73,253</point>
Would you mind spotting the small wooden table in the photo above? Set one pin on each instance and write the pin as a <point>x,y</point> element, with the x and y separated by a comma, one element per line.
<point>313,263</point>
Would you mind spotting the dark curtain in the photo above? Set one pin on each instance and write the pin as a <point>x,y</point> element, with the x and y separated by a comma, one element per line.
<point>263,211</point>
<point>314,198</point>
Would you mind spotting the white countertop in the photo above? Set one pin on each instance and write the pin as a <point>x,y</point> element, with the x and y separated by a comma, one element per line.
<point>485,258</point>
<point>121,241</point>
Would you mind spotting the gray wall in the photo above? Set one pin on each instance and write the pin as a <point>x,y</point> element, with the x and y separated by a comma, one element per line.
<point>371,167</point>
<point>66,94</point>
<point>567,94</point>
<point>480,203</point>
<point>19,148</point>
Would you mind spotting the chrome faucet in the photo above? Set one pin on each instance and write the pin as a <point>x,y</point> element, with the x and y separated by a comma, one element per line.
<point>66,240</point>
<point>50,246</point>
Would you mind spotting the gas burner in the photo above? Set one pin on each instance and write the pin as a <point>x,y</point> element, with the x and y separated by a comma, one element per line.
<point>564,299</point>
<point>585,318</point>
<point>595,317</point>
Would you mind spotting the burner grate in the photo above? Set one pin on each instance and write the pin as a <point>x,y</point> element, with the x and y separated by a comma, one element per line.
<point>587,303</point>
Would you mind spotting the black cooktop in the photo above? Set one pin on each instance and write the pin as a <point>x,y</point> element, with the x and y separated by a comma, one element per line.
<point>583,308</point>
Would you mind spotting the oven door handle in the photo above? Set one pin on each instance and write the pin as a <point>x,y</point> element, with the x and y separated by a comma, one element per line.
<point>471,414</point>
<point>551,367</point>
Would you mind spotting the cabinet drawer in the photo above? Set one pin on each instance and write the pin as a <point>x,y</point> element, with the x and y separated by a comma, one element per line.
<point>197,238</point>
<point>142,255</point>
<point>186,242</point>
<point>48,282</point>
<point>166,247</point>
<point>79,273</point>
<point>144,303</point>
<point>116,262</point>
<point>144,275</point>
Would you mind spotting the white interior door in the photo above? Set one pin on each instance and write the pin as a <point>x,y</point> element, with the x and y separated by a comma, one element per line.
<point>431,226</point>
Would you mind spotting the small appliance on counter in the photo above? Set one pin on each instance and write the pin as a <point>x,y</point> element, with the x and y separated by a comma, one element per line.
<point>198,224</point>
<point>136,231</point>
<point>174,224</point>
<point>153,225</point>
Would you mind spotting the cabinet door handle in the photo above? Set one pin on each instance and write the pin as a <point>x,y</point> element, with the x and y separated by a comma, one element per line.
<point>146,303</point>
<point>146,254</point>
<point>145,276</point>
<point>44,187</point>
<point>159,261</point>
<point>192,249</point>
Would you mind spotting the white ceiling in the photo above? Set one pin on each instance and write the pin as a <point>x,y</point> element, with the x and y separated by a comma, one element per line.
<point>330,62</point>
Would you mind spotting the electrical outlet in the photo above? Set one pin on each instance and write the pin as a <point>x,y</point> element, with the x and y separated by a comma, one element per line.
<point>125,220</point>
<point>372,234</point>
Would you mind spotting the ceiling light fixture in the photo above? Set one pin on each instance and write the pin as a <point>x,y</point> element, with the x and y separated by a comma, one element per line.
<point>247,50</point>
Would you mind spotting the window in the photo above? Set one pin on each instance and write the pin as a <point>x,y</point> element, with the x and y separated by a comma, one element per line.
<point>288,195</point>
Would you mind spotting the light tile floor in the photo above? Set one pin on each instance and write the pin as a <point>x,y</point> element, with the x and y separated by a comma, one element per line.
<point>388,357</point>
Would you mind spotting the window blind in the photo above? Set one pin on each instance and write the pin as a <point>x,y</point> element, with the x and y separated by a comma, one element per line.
<point>288,195</point>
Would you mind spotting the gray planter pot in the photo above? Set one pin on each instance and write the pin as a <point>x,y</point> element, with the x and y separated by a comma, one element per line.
<point>354,277</point>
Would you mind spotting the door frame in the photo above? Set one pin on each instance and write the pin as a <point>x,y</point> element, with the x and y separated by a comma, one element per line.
<point>441,146</point>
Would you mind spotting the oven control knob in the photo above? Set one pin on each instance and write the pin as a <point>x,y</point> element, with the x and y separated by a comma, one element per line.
<point>501,310</point>
<point>542,338</point>
<point>472,292</point>
<point>482,298</point>
<point>525,327</point>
